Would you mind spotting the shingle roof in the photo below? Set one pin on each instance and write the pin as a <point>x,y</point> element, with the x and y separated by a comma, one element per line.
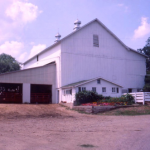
<point>76,84</point>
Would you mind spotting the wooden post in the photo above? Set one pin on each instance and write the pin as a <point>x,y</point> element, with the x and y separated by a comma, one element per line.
<point>135,97</point>
<point>143,98</point>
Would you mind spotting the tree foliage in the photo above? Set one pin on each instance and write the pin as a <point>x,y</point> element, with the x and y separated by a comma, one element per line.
<point>146,50</point>
<point>8,63</point>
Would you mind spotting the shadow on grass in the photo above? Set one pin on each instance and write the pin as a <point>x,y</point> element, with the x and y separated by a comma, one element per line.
<point>87,146</point>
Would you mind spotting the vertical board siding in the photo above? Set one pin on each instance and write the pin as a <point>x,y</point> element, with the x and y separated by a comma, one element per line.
<point>80,60</point>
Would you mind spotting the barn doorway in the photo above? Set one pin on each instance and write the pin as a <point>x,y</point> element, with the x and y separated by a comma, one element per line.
<point>41,94</point>
<point>10,93</point>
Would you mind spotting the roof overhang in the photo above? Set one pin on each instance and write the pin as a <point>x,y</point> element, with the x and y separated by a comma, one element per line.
<point>87,81</point>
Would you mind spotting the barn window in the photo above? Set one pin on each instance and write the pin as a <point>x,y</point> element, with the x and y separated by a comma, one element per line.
<point>113,89</point>
<point>94,89</point>
<point>130,90</point>
<point>95,41</point>
<point>103,89</point>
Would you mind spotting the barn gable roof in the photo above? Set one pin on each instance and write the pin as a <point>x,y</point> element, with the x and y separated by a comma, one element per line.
<point>128,48</point>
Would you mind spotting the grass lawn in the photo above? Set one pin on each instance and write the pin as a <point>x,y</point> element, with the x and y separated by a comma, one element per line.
<point>130,111</point>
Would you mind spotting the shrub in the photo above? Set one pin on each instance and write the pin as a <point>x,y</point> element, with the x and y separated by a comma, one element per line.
<point>87,97</point>
<point>128,98</point>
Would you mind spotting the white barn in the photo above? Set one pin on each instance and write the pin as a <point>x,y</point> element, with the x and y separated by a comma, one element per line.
<point>90,58</point>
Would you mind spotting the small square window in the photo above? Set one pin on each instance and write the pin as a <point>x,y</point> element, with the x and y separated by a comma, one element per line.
<point>103,89</point>
<point>98,81</point>
<point>68,92</point>
<point>113,89</point>
<point>94,89</point>
<point>83,88</point>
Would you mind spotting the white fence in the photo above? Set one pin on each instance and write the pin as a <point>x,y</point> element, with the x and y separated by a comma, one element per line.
<point>141,97</point>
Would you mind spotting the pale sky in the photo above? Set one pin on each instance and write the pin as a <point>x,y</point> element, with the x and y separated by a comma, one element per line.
<point>29,26</point>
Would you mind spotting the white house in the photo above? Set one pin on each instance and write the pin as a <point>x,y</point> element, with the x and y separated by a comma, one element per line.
<point>90,58</point>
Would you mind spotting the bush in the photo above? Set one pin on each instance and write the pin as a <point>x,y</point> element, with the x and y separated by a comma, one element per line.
<point>128,98</point>
<point>87,97</point>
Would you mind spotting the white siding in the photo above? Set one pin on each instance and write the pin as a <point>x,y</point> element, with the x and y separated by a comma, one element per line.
<point>50,55</point>
<point>80,60</point>
<point>40,75</point>
<point>103,83</point>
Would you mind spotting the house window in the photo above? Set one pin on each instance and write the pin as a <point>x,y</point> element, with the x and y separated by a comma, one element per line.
<point>113,89</point>
<point>94,89</point>
<point>37,58</point>
<point>83,88</point>
<point>130,90</point>
<point>69,92</point>
<point>95,41</point>
<point>103,89</point>
<point>79,89</point>
<point>64,93</point>
<point>98,81</point>
<point>117,90</point>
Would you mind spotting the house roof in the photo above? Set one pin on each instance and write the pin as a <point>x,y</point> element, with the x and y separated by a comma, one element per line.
<point>76,84</point>
<point>81,29</point>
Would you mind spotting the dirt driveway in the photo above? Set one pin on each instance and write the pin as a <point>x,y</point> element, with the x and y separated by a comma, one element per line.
<point>52,127</point>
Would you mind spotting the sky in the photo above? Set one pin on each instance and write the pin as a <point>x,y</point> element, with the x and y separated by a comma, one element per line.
<point>29,26</point>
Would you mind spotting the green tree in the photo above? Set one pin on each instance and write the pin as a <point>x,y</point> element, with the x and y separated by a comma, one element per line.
<point>8,63</point>
<point>146,50</point>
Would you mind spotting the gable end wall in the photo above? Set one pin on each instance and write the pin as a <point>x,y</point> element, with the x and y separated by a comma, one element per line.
<point>111,60</point>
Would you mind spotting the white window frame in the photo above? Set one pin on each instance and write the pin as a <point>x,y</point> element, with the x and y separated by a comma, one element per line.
<point>94,89</point>
<point>69,92</point>
<point>103,89</point>
<point>113,89</point>
<point>98,81</point>
<point>83,89</point>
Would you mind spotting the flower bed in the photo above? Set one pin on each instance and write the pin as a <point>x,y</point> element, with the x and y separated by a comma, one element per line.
<point>105,101</point>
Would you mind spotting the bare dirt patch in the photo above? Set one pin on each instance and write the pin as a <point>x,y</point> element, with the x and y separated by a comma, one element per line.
<point>52,127</point>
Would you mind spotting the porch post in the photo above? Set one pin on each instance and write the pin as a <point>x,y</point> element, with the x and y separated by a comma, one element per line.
<point>26,93</point>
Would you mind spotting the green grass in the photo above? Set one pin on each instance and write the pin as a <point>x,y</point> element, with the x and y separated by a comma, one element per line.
<point>132,113</point>
<point>87,145</point>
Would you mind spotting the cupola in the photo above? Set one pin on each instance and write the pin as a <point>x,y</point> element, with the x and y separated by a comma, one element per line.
<point>77,25</point>
<point>58,36</point>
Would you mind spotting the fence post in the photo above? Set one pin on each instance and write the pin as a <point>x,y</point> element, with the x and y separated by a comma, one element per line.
<point>135,97</point>
<point>143,98</point>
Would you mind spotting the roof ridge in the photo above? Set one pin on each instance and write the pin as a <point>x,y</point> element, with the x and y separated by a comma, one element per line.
<point>81,29</point>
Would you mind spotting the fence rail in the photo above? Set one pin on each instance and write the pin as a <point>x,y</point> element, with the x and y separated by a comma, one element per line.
<point>141,97</point>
